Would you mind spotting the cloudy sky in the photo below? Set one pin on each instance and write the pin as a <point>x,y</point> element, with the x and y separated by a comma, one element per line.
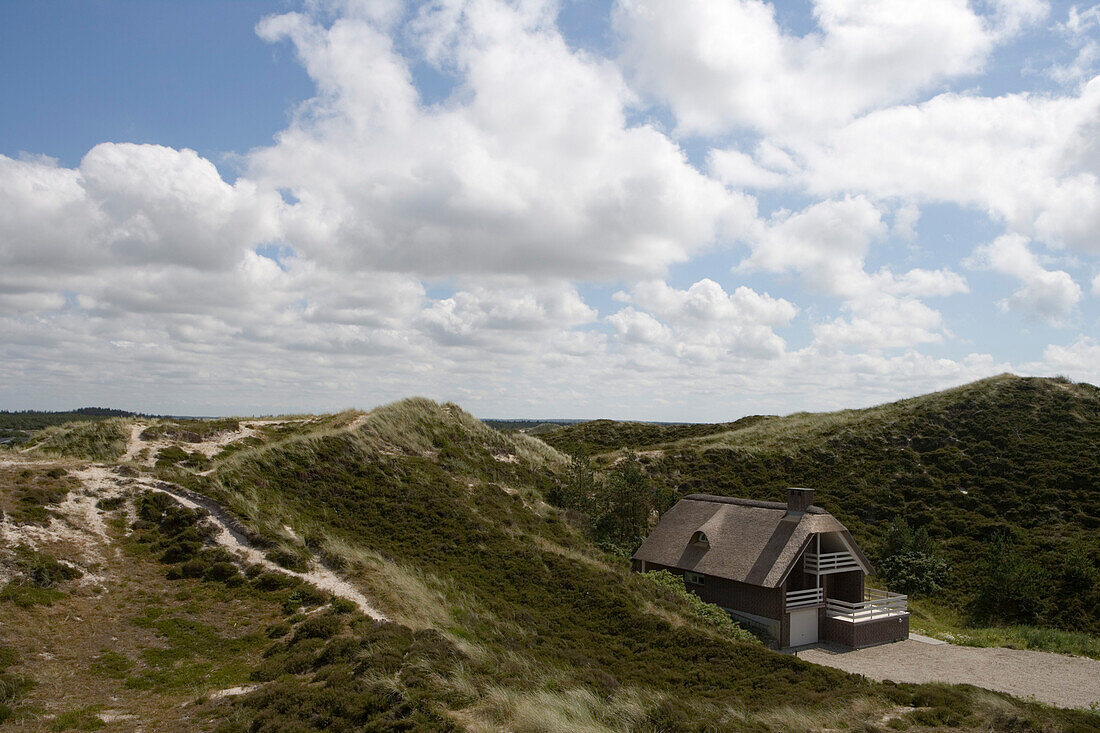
<point>653,209</point>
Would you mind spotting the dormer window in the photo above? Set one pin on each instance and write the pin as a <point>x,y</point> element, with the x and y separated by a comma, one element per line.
<point>699,539</point>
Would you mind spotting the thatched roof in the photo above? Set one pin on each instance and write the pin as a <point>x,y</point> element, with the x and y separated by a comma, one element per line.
<point>750,541</point>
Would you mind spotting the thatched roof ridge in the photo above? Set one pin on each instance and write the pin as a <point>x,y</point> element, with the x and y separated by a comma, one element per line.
<point>750,502</point>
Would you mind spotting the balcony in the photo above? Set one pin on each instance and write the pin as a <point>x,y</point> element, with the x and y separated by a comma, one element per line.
<point>804,598</point>
<point>830,562</point>
<point>876,604</point>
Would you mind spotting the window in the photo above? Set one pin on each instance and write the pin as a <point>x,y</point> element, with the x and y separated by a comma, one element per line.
<point>693,578</point>
<point>699,539</point>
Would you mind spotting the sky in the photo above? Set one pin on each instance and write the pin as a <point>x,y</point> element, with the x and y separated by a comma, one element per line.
<point>683,210</point>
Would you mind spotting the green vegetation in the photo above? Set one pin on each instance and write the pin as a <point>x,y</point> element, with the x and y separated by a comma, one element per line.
<point>37,419</point>
<point>40,576</point>
<point>443,521</point>
<point>601,436</point>
<point>20,425</point>
<point>13,686</point>
<point>617,507</point>
<point>82,719</point>
<point>909,561</point>
<point>1004,465</point>
<point>937,620</point>
<point>706,613</point>
<point>33,492</point>
<point>104,440</point>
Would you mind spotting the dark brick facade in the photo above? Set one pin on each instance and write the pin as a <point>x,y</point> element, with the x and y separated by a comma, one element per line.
<point>754,599</point>
<point>868,633</point>
<point>770,603</point>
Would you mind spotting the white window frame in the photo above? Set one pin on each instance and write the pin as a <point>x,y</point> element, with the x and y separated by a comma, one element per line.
<point>694,578</point>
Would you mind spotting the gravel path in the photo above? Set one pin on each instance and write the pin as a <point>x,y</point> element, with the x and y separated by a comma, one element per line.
<point>1056,679</point>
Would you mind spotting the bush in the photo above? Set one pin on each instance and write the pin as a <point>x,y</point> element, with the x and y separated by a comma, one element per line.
<point>289,560</point>
<point>270,580</point>
<point>111,503</point>
<point>318,627</point>
<point>909,560</point>
<point>277,630</point>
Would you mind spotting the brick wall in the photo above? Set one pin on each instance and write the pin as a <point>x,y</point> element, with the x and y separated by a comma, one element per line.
<point>766,602</point>
<point>868,633</point>
<point>844,586</point>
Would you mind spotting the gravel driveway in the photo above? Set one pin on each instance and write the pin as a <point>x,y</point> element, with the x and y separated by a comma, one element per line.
<point>1057,679</point>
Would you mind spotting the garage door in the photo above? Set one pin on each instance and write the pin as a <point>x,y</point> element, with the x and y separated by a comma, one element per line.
<point>804,627</point>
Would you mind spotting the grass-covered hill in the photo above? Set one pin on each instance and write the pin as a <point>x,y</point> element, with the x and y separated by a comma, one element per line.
<point>600,436</point>
<point>17,426</point>
<point>503,614</point>
<point>1010,457</point>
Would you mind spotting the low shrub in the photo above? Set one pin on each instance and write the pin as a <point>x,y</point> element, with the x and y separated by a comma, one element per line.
<point>318,627</point>
<point>289,560</point>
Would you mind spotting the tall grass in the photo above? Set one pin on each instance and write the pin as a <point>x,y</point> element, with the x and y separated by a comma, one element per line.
<point>103,440</point>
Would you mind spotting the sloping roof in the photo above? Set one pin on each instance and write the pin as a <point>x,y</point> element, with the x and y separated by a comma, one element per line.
<point>750,541</point>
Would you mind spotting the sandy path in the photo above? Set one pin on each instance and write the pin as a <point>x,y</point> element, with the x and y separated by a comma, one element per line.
<point>1056,679</point>
<point>236,543</point>
<point>82,525</point>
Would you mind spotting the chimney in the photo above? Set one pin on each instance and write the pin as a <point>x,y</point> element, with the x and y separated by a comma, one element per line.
<point>799,500</point>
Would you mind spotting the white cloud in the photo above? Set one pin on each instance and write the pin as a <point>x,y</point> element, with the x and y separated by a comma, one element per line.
<point>739,170</point>
<point>726,63</point>
<point>636,327</point>
<point>1050,295</point>
<point>825,243</point>
<point>1080,360</point>
<point>530,168</point>
<point>1080,29</point>
<point>1096,285</point>
<point>703,323</point>
<point>505,317</point>
<point>128,204</point>
<point>1031,162</point>
<point>458,249</point>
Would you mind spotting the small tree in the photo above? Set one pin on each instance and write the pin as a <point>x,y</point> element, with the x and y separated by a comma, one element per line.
<point>578,489</point>
<point>624,505</point>
<point>909,560</point>
<point>1012,588</point>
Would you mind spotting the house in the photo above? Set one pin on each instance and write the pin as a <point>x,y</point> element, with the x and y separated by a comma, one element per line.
<point>790,569</point>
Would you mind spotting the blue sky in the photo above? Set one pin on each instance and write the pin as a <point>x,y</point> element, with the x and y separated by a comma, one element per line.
<point>675,211</point>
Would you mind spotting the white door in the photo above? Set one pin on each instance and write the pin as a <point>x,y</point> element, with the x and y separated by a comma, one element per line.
<point>804,627</point>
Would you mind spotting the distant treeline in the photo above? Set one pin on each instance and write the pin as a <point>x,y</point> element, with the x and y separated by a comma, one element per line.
<point>38,419</point>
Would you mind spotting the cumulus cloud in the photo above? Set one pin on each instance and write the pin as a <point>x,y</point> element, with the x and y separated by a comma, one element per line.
<point>1032,162</point>
<point>465,247</point>
<point>529,168</point>
<point>704,322</point>
<point>722,64</point>
<point>128,205</point>
<point>1049,295</point>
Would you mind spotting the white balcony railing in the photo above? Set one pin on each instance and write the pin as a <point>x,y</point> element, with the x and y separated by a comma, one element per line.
<point>830,562</point>
<point>803,598</point>
<point>876,604</point>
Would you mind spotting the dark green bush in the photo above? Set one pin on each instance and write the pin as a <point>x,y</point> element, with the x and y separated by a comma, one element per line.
<point>274,580</point>
<point>289,560</point>
<point>277,630</point>
<point>318,627</point>
<point>222,572</point>
<point>111,503</point>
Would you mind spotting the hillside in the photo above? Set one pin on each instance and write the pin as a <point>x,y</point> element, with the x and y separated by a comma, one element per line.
<point>501,613</point>
<point>1003,455</point>
<point>600,436</point>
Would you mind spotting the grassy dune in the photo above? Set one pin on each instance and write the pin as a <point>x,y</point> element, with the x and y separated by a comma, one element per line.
<point>1003,455</point>
<point>443,521</point>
